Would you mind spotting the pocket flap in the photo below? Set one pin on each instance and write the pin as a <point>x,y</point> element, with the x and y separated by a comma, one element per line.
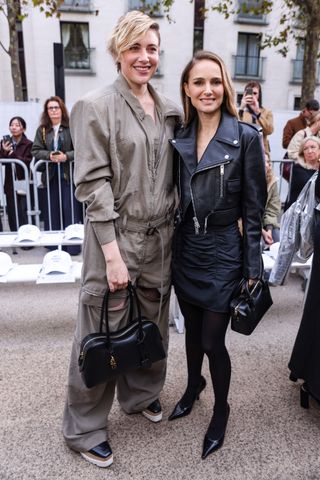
<point>234,186</point>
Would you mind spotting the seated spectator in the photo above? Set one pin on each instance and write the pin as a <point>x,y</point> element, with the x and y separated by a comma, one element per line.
<point>300,122</point>
<point>18,146</point>
<point>252,111</point>
<point>308,154</point>
<point>270,220</point>
<point>313,129</point>
<point>53,143</point>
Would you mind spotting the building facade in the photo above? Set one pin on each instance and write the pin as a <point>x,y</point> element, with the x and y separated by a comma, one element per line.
<point>84,27</point>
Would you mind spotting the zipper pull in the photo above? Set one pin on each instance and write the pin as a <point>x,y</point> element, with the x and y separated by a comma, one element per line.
<point>205,224</point>
<point>196,225</point>
<point>221,180</point>
<point>113,362</point>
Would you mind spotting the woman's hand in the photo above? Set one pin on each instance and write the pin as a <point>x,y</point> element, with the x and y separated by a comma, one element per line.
<point>267,236</point>
<point>252,282</point>
<point>7,147</point>
<point>58,157</point>
<point>246,99</point>
<point>117,272</point>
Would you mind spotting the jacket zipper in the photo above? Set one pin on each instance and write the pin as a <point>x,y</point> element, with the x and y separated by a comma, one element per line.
<point>221,181</point>
<point>195,218</point>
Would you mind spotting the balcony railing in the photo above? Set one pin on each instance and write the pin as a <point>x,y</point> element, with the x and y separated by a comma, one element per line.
<point>297,71</point>
<point>79,60</point>
<point>247,67</point>
<point>246,15</point>
<point>84,6</point>
<point>151,7</point>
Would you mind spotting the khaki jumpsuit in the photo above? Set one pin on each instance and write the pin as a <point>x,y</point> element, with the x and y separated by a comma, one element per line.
<point>124,174</point>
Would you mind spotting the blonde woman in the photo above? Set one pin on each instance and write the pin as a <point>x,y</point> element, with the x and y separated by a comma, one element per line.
<point>305,167</point>
<point>313,129</point>
<point>123,172</point>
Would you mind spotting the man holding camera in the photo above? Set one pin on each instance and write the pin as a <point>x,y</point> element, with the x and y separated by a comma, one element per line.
<point>252,111</point>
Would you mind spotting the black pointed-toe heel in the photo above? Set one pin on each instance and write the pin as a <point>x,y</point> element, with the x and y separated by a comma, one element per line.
<point>292,378</point>
<point>304,396</point>
<point>211,444</point>
<point>182,409</point>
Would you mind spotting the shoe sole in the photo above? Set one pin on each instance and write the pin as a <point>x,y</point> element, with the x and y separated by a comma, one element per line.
<point>102,463</point>
<point>153,417</point>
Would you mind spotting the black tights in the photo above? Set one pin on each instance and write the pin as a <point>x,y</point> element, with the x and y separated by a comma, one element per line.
<point>205,333</point>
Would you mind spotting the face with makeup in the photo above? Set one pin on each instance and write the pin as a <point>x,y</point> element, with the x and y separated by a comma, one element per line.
<point>204,87</point>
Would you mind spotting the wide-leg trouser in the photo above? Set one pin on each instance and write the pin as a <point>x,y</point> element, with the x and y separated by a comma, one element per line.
<point>86,410</point>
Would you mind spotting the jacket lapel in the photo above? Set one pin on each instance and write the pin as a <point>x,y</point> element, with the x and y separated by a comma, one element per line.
<point>186,146</point>
<point>218,150</point>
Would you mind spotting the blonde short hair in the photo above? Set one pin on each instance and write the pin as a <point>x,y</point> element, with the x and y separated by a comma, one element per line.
<point>229,93</point>
<point>129,28</point>
<point>305,140</point>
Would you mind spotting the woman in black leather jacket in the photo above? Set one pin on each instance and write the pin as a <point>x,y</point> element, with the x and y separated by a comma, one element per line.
<point>221,178</point>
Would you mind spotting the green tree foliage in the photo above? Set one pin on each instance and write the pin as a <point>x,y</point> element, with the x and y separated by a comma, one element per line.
<point>15,12</point>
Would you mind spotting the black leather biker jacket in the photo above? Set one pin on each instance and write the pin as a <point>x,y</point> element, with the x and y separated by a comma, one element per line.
<point>227,184</point>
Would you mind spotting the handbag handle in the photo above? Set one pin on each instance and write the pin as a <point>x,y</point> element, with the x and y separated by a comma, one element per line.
<point>133,300</point>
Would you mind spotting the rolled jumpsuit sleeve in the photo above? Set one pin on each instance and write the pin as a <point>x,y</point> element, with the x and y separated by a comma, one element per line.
<point>93,170</point>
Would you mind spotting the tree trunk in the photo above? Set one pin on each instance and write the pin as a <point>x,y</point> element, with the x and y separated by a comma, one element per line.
<point>13,9</point>
<point>310,58</point>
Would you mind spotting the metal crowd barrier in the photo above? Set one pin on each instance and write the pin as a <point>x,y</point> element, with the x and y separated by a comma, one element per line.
<point>37,195</point>
<point>19,187</point>
<point>40,170</point>
<point>284,186</point>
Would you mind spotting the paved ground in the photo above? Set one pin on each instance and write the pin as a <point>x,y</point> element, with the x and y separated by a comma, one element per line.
<point>269,436</point>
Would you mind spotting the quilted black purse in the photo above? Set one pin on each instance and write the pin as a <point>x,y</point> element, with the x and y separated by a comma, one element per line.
<point>249,306</point>
<point>105,355</point>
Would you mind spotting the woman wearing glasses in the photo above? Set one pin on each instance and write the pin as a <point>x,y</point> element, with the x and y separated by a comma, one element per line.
<point>53,143</point>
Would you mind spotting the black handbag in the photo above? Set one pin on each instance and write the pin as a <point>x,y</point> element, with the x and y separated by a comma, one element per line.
<point>249,306</point>
<point>105,355</point>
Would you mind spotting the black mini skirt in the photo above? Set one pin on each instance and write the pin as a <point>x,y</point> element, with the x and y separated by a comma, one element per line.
<point>207,268</point>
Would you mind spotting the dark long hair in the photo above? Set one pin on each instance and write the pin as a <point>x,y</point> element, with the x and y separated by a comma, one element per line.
<point>20,120</point>
<point>45,121</point>
<point>228,103</point>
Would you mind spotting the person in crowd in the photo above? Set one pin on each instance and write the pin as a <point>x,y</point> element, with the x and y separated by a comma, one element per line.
<point>252,111</point>
<point>305,362</point>
<point>53,143</point>
<point>221,177</point>
<point>300,122</point>
<point>292,127</point>
<point>124,174</point>
<point>305,158</point>
<point>18,146</point>
<point>272,212</point>
<point>300,227</point>
<point>313,129</point>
